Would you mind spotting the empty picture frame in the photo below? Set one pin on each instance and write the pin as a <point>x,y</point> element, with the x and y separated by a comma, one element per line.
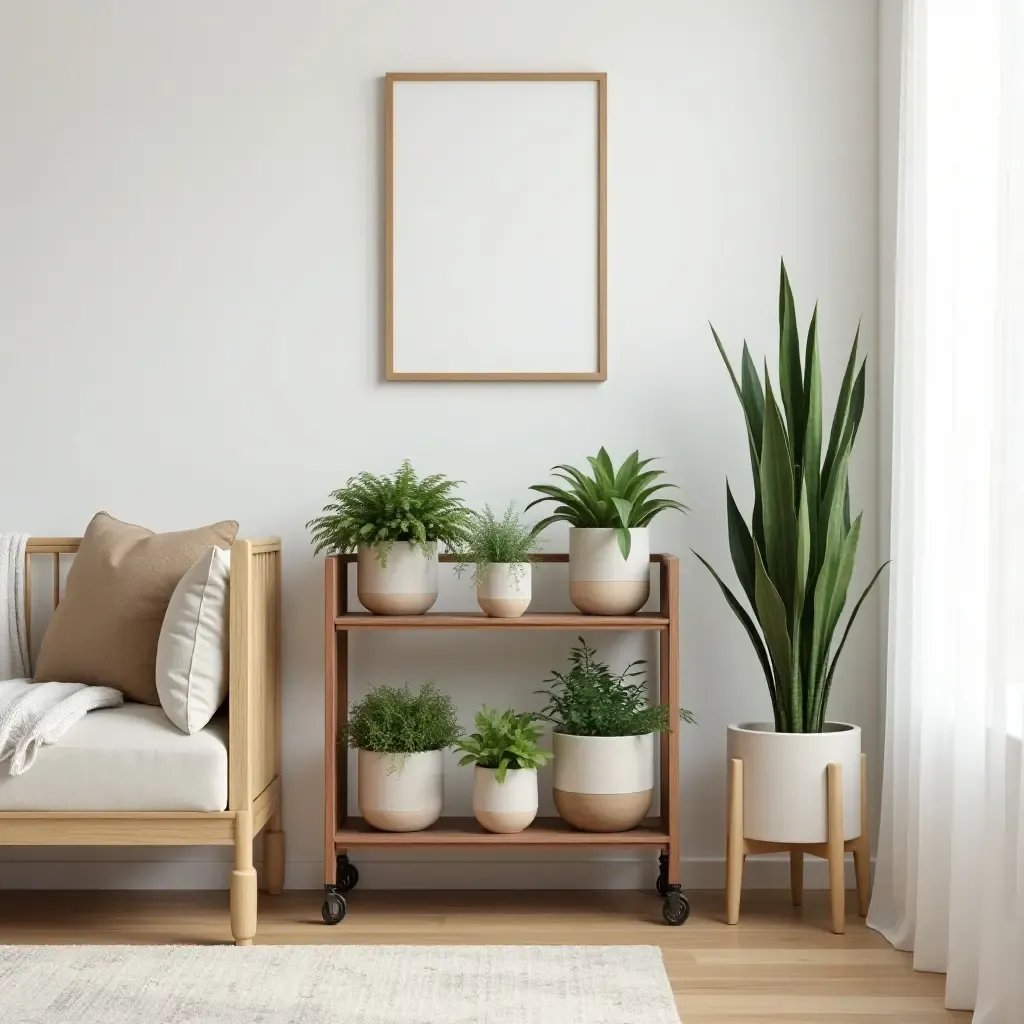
<point>495,227</point>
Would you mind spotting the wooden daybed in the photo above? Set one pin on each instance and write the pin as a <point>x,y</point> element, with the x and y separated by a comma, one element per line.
<point>253,745</point>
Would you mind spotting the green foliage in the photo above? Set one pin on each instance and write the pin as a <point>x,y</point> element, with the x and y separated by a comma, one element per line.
<point>591,700</point>
<point>795,560</point>
<point>393,720</point>
<point>377,511</point>
<point>621,498</point>
<point>493,541</point>
<point>503,740</point>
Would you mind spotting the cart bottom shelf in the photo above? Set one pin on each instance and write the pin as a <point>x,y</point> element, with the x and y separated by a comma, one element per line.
<point>455,832</point>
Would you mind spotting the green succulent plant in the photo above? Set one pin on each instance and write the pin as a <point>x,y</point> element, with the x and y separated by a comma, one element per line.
<point>503,741</point>
<point>795,560</point>
<point>591,700</point>
<point>621,499</point>
<point>378,511</point>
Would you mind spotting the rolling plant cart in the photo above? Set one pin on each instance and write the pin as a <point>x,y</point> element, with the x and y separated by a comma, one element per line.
<point>343,834</point>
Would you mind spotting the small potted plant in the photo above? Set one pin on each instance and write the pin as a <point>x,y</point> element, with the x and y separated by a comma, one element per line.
<point>400,735</point>
<point>609,548</point>
<point>395,523</point>
<point>604,742</point>
<point>794,562</point>
<point>506,756</point>
<point>500,551</point>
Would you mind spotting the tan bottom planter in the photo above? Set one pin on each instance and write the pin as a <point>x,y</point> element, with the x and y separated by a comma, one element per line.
<point>407,585</point>
<point>505,590</point>
<point>604,783</point>
<point>401,793</point>
<point>601,581</point>
<point>507,806</point>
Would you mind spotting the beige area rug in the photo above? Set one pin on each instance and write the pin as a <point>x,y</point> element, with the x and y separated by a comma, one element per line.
<point>344,984</point>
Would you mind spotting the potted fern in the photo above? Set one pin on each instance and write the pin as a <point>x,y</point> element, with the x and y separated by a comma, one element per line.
<point>400,735</point>
<point>604,742</point>
<point>395,523</point>
<point>505,753</point>
<point>794,562</point>
<point>609,512</point>
<point>499,551</point>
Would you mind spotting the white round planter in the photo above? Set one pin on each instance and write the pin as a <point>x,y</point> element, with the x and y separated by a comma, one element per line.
<point>785,797</point>
<point>604,783</point>
<point>506,589</point>
<point>401,793</point>
<point>407,585</point>
<point>508,806</point>
<point>601,581</point>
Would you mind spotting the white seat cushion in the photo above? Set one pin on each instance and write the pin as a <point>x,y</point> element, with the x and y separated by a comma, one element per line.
<point>130,758</point>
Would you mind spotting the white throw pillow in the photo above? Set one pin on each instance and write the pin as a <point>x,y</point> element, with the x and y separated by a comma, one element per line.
<point>192,653</point>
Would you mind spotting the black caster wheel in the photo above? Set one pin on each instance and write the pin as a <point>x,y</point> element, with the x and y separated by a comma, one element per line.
<point>348,875</point>
<point>676,909</point>
<point>661,885</point>
<point>334,909</point>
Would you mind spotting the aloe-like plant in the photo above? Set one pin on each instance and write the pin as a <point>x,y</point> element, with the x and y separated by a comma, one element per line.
<point>795,559</point>
<point>621,499</point>
<point>378,511</point>
<point>503,740</point>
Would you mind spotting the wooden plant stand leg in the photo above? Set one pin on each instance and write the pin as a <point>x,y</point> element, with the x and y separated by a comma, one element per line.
<point>796,876</point>
<point>836,848</point>
<point>862,845</point>
<point>735,847</point>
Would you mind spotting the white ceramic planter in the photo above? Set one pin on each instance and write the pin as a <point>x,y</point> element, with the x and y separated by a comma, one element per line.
<point>784,780</point>
<point>601,581</point>
<point>604,783</point>
<point>407,585</point>
<point>508,806</point>
<point>506,590</point>
<point>401,794</point>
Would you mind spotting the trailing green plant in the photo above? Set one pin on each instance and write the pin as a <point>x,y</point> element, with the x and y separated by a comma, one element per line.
<point>621,499</point>
<point>397,720</point>
<point>591,700</point>
<point>503,741</point>
<point>493,541</point>
<point>378,511</point>
<point>795,559</point>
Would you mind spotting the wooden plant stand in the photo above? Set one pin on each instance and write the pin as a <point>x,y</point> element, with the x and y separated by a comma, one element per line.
<point>833,850</point>
<point>342,833</point>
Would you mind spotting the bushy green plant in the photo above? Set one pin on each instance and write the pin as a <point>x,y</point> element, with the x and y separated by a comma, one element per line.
<point>795,559</point>
<point>591,700</point>
<point>493,541</point>
<point>503,740</point>
<point>378,511</point>
<point>621,499</point>
<point>396,720</point>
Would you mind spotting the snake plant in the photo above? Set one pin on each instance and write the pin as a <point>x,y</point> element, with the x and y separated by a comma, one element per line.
<point>795,560</point>
<point>621,499</point>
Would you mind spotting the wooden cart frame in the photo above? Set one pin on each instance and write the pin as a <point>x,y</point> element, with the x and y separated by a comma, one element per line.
<point>343,833</point>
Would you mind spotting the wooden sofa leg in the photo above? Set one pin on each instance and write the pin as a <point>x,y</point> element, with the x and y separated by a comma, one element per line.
<point>243,883</point>
<point>273,854</point>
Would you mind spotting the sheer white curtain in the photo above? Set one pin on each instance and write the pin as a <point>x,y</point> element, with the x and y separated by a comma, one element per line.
<point>950,876</point>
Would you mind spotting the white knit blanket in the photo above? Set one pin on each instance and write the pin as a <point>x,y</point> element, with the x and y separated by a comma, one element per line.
<point>35,714</point>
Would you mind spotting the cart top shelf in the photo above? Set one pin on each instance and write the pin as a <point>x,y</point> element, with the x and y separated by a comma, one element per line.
<point>476,620</point>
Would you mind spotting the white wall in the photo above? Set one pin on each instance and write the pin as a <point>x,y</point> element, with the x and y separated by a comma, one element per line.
<point>190,296</point>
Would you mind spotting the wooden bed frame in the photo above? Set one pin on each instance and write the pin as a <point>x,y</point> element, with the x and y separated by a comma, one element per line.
<point>254,745</point>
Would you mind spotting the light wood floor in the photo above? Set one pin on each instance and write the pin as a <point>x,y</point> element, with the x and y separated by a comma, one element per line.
<point>778,965</point>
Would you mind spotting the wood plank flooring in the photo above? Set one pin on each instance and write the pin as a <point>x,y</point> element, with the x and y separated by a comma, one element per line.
<point>778,965</point>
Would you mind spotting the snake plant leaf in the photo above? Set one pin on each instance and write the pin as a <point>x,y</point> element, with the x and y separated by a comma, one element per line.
<point>753,439</point>
<point>755,637</point>
<point>803,555</point>
<point>752,396</point>
<point>771,613</point>
<point>841,413</point>
<point>741,546</point>
<point>790,373</point>
<point>810,465</point>
<point>778,504</point>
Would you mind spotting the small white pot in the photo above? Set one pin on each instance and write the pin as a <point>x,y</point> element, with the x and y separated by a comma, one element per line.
<point>785,797</point>
<point>407,585</point>
<point>508,806</point>
<point>601,581</point>
<point>506,589</point>
<point>401,792</point>
<point>604,783</point>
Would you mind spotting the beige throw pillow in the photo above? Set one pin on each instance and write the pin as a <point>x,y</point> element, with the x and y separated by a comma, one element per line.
<point>192,654</point>
<point>107,625</point>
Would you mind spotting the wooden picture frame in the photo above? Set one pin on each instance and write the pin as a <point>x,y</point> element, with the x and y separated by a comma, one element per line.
<point>417,239</point>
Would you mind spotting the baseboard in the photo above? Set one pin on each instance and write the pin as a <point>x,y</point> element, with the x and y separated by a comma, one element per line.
<point>449,872</point>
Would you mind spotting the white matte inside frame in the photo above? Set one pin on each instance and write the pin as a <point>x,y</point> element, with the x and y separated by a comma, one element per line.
<point>495,226</point>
